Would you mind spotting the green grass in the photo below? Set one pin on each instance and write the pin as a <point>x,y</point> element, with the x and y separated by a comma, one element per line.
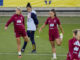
<point>8,41</point>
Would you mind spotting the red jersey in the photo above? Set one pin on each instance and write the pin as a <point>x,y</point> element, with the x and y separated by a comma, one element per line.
<point>18,21</point>
<point>53,23</point>
<point>74,49</point>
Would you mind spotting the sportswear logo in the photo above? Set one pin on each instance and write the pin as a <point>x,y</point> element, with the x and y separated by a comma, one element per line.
<point>54,21</point>
<point>21,17</point>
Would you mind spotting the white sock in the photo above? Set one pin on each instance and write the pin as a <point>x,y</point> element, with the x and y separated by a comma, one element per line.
<point>61,36</point>
<point>19,53</point>
<point>54,55</point>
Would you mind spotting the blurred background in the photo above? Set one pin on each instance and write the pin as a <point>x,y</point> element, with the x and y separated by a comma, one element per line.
<point>63,7</point>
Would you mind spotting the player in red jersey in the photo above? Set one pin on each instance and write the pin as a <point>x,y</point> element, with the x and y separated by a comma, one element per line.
<point>74,46</point>
<point>19,28</point>
<point>53,23</point>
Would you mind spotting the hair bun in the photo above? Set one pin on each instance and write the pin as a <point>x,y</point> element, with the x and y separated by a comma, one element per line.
<point>28,5</point>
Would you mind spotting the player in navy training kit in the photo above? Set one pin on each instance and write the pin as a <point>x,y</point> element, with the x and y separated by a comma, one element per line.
<point>32,24</point>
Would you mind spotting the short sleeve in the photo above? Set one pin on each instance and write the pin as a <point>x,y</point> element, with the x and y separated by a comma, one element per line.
<point>46,22</point>
<point>58,21</point>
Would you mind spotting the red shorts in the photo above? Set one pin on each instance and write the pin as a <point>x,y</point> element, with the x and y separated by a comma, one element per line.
<point>20,33</point>
<point>53,35</point>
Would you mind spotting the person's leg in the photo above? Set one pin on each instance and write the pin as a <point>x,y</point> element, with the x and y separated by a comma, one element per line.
<point>58,37</point>
<point>19,46</point>
<point>33,41</point>
<point>58,41</point>
<point>25,43</point>
<point>53,49</point>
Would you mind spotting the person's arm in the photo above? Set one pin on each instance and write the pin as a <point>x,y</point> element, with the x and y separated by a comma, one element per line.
<point>9,21</point>
<point>60,26</point>
<point>43,26</point>
<point>34,16</point>
<point>70,48</point>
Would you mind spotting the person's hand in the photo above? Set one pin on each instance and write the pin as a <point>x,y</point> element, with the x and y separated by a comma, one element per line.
<point>5,28</point>
<point>36,26</point>
<point>63,32</point>
<point>40,30</point>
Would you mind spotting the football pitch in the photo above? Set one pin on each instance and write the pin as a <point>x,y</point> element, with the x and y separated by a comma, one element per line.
<point>8,45</point>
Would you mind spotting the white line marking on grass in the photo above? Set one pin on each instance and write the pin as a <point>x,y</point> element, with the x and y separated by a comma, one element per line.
<point>36,54</point>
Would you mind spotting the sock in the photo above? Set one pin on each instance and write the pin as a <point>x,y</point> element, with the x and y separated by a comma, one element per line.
<point>25,43</point>
<point>33,46</point>
<point>54,55</point>
<point>19,53</point>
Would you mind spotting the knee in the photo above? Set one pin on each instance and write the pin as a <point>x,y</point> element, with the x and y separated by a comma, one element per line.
<point>18,40</point>
<point>53,46</point>
<point>59,44</point>
<point>26,37</point>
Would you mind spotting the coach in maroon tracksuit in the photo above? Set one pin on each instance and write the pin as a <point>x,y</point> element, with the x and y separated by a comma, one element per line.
<point>74,46</point>
<point>19,28</point>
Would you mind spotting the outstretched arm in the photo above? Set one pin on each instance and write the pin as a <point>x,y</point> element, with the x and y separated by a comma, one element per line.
<point>9,21</point>
<point>43,26</point>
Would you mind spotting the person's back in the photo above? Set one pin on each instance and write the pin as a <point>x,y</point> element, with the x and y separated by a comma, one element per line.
<point>74,48</point>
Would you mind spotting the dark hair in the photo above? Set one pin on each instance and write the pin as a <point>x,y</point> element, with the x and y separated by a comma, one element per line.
<point>75,31</point>
<point>53,10</point>
<point>28,5</point>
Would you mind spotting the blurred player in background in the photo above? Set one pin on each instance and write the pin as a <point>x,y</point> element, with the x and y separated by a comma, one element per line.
<point>19,28</point>
<point>74,46</point>
<point>32,24</point>
<point>53,23</point>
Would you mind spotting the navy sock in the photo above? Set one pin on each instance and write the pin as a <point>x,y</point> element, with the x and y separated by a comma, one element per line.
<point>24,46</point>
